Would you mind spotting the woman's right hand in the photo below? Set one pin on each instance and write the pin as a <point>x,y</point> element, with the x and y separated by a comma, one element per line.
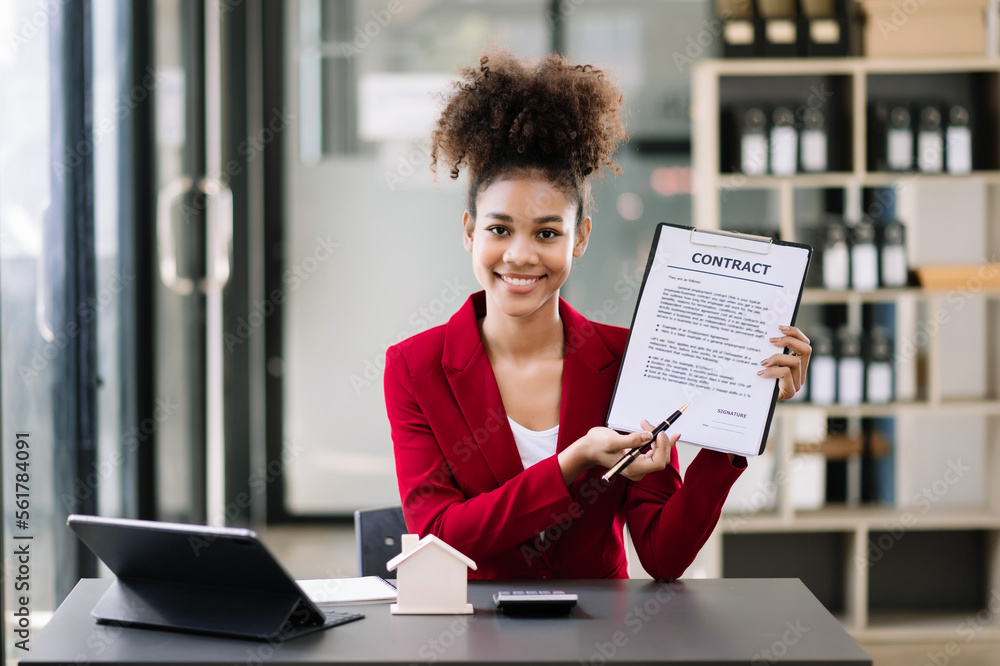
<point>605,447</point>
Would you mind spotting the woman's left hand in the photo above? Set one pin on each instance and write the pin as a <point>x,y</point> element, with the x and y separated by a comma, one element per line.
<point>790,368</point>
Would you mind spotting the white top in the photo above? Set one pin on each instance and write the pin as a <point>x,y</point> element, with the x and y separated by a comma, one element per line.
<point>534,445</point>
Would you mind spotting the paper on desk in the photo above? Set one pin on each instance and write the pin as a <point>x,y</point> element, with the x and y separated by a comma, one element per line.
<point>700,332</point>
<point>363,590</point>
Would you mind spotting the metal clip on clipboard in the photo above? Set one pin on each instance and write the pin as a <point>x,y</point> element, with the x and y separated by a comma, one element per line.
<point>721,242</point>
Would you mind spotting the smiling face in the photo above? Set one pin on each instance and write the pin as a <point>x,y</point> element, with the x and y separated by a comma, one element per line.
<point>523,242</point>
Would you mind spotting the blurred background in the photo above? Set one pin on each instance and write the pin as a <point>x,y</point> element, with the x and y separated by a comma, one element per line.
<point>216,216</point>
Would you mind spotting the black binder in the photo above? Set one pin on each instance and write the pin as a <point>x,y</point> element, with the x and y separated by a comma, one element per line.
<point>779,26</point>
<point>891,140</point>
<point>192,578</point>
<point>825,28</point>
<point>741,33</point>
<point>744,140</point>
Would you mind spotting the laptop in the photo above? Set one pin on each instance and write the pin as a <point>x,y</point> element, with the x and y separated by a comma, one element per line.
<point>209,580</point>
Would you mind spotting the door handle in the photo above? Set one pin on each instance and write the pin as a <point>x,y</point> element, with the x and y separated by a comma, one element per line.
<point>219,207</point>
<point>42,281</point>
<point>165,200</point>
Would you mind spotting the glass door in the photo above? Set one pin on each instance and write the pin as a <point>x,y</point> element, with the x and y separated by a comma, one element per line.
<point>66,289</point>
<point>210,149</point>
<point>180,272</point>
<point>115,255</point>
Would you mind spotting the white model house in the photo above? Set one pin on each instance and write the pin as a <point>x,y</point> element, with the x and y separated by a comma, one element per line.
<point>432,578</point>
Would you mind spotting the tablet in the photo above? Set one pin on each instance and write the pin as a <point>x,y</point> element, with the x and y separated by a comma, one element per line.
<point>193,578</point>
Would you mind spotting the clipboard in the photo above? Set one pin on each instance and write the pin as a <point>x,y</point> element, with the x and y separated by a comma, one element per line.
<point>705,297</point>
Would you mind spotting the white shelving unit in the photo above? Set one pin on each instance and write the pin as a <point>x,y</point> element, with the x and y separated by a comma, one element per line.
<point>859,525</point>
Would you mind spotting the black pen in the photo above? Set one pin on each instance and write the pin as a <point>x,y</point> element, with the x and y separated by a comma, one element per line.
<point>630,457</point>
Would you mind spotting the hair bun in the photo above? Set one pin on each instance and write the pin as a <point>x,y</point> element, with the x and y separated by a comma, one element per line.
<point>510,114</point>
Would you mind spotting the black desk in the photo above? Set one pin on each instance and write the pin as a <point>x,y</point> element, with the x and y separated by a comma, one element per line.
<point>703,622</point>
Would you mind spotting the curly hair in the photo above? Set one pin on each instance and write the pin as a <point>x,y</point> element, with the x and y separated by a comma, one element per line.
<point>509,118</point>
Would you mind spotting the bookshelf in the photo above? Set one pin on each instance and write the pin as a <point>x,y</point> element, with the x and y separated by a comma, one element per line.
<point>890,573</point>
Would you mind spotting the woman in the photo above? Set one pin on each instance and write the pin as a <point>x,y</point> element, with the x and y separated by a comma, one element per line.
<point>497,415</point>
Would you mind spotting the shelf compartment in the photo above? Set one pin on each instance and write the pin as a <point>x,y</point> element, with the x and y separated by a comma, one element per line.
<point>933,570</point>
<point>819,559</point>
<point>832,95</point>
<point>975,90</point>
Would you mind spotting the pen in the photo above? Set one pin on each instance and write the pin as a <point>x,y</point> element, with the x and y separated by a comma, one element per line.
<point>629,457</point>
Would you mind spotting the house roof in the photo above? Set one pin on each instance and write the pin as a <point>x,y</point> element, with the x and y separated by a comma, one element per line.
<point>426,542</point>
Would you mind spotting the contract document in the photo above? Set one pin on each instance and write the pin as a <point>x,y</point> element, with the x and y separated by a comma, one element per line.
<point>708,305</point>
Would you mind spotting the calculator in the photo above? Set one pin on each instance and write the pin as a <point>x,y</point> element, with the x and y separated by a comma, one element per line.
<point>534,602</point>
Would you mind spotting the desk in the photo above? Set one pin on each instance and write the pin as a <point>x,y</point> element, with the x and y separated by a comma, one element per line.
<point>703,622</point>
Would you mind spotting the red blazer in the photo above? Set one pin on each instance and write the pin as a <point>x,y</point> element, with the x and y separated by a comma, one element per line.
<point>461,479</point>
